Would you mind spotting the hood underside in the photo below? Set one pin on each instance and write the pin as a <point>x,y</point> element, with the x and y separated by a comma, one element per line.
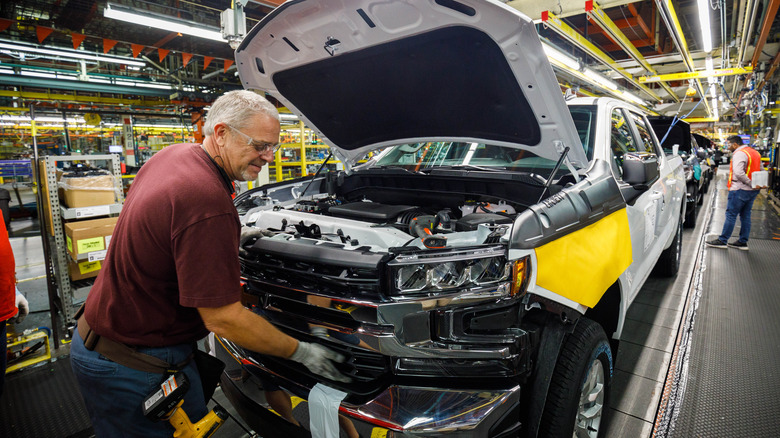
<point>671,131</point>
<point>367,74</point>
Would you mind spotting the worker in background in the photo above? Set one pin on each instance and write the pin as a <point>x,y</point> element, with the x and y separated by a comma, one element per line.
<point>13,305</point>
<point>744,161</point>
<point>171,274</point>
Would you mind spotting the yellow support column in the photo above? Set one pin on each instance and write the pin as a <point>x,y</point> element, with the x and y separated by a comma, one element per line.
<point>303,148</point>
<point>278,165</point>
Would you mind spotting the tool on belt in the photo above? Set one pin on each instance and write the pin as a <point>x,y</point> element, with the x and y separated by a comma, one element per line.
<point>165,404</point>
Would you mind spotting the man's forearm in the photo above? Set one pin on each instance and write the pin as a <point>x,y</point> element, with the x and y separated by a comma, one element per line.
<point>247,329</point>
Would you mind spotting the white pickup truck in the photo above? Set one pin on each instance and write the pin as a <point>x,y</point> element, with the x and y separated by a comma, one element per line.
<point>476,270</point>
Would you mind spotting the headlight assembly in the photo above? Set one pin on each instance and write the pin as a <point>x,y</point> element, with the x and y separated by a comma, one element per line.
<point>431,273</point>
<point>411,278</point>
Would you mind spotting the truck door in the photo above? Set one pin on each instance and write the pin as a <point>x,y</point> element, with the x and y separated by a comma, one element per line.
<point>643,212</point>
<point>662,192</point>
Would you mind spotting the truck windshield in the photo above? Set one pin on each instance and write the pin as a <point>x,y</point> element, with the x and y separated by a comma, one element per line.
<point>424,156</point>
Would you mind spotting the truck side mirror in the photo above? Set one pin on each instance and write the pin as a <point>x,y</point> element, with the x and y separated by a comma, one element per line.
<point>640,169</point>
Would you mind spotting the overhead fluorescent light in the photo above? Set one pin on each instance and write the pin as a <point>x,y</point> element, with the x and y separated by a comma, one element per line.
<point>45,119</point>
<point>29,124</point>
<point>633,98</point>
<point>600,79</point>
<point>708,68</point>
<point>65,53</point>
<point>160,126</point>
<point>704,23</point>
<point>171,24</point>
<point>561,57</point>
<point>38,74</point>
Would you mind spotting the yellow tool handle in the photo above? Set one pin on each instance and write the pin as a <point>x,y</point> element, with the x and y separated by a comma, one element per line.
<point>202,429</point>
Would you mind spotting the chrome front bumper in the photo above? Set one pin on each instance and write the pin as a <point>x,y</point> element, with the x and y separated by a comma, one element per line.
<point>416,411</point>
<point>398,411</point>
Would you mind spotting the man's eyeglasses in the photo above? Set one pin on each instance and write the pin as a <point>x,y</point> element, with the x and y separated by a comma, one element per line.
<point>260,146</point>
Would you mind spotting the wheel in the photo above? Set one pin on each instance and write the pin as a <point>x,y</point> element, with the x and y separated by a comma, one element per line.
<point>669,262</point>
<point>691,209</point>
<point>578,388</point>
<point>690,215</point>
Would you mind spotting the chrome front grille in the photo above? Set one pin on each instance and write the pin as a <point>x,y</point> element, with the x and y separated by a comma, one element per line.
<point>330,280</point>
<point>369,370</point>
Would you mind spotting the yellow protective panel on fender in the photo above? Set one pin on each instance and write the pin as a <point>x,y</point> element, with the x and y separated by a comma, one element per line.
<point>582,265</point>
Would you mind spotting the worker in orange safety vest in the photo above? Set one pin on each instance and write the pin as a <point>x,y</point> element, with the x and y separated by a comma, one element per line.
<point>744,161</point>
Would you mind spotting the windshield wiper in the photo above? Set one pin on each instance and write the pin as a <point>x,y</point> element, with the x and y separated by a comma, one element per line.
<point>391,167</point>
<point>465,167</point>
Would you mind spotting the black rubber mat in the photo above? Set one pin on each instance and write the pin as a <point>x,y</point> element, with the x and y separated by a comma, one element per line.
<point>44,402</point>
<point>732,384</point>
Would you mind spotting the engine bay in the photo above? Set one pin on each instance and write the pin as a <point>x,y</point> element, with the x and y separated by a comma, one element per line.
<point>380,227</point>
<point>393,210</point>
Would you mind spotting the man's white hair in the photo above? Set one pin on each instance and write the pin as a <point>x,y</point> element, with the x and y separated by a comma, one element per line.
<point>236,108</point>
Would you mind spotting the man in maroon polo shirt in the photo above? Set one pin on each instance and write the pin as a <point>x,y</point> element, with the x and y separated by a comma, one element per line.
<point>171,273</point>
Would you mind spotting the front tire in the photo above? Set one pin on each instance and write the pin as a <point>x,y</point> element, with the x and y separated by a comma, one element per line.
<point>669,262</point>
<point>691,209</point>
<point>578,389</point>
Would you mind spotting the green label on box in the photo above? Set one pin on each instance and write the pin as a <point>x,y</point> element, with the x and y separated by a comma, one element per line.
<point>70,244</point>
<point>86,267</point>
<point>92,244</point>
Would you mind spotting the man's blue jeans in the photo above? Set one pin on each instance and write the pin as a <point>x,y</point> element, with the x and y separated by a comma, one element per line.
<point>114,393</point>
<point>740,203</point>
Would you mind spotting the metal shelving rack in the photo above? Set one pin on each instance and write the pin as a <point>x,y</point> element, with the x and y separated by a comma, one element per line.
<point>60,287</point>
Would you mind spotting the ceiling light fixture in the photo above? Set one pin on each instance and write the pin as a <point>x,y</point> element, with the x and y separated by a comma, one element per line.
<point>704,22</point>
<point>38,74</point>
<point>171,24</point>
<point>561,57</point>
<point>600,79</point>
<point>64,53</point>
<point>634,98</point>
<point>39,119</point>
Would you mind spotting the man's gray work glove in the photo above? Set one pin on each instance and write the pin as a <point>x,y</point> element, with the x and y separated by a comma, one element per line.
<point>247,234</point>
<point>318,360</point>
<point>22,305</point>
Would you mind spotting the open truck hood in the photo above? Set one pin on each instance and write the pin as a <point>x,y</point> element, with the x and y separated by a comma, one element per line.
<point>671,131</point>
<point>366,74</point>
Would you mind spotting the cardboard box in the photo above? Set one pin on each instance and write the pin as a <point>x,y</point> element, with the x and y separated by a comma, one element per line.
<point>87,191</point>
<point>91,236</point>
<point>82,270</point>
<point>759,178</point>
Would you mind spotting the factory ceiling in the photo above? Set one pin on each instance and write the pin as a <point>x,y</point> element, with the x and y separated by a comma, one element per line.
<point>632,44</point>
